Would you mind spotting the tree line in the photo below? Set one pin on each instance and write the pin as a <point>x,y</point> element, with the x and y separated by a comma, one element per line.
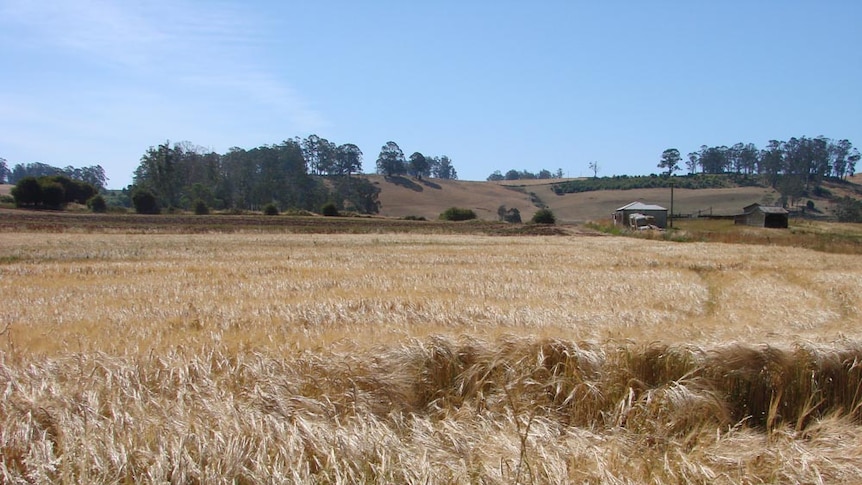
<point>810,159</point>
<point>93,175</point>
<point>793,167</point>
<point>391,162</point>
<point>53,192</point>
<point>299,173</point>
<point>513,174</point>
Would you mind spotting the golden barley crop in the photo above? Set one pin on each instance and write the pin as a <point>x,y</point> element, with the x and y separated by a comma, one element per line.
<point>410,358</point>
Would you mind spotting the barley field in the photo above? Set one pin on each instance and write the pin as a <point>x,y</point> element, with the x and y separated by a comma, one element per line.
<point>271,357</point>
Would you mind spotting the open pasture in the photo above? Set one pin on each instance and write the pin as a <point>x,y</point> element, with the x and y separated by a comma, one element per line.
<point>425,358</point>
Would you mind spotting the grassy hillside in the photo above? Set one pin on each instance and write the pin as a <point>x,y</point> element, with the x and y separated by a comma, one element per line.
<point>402,197</point>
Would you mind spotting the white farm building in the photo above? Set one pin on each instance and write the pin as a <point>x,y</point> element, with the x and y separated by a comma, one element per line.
<point>655,214</point>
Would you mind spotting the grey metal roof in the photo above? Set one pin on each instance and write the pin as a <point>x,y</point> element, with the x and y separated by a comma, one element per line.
<point>768,209</point>
<point>640,206</point>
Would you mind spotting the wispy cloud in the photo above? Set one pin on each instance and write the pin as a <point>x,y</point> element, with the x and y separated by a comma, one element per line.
<point>213,47</point>
<point>117,32</point>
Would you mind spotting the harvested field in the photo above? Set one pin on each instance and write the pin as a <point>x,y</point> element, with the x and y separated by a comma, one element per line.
<point>408,357</point>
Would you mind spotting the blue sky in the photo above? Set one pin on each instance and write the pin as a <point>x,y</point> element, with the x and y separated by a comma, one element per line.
<point>495,85</point>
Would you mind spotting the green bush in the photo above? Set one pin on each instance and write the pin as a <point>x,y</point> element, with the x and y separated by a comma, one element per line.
<point>329,209</point>
<point>457,214</point>
<point>145,202</point>
<point>512,215</point>
<point>73,190</point>
<point>625,182</point>
<point>544,216</point>
<point>53,195</point>
<point>848,209</point>
<point>270,209</point>
<point>27,192</point>
<point>414,218</point>
<point>97,204</point>
<point>201,208</point>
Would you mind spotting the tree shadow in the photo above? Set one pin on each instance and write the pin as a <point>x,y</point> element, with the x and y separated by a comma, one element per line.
<point>429,184</point>
<point>404,182</point>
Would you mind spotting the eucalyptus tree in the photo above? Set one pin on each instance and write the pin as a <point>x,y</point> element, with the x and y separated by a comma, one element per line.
<point>670,161</point>
<point>391,160</point>
<point>444,169</point>
<point>348,159</point>
<point>418,166</point>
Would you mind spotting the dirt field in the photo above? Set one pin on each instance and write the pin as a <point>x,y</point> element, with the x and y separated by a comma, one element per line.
<point>311,356</point>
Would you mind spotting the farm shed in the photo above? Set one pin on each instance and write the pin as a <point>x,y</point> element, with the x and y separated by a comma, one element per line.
<point>762,216</point>
<point>656,212</point>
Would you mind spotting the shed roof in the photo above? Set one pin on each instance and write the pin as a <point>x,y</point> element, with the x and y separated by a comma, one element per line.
<point>640,206</point>
<point>766,209</point>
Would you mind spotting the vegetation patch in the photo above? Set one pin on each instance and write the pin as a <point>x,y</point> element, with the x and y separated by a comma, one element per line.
<point>625,182</point>
<point>457,214</point>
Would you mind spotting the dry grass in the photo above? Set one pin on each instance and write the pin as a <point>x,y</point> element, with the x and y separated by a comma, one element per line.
<point>425,359</point>
<point>433,197</point>
<point>827,237</point>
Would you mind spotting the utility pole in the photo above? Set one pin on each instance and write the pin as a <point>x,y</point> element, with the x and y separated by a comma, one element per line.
<point>671,204</point>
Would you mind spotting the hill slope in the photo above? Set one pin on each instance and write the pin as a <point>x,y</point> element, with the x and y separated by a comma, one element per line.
<point>400,197</point>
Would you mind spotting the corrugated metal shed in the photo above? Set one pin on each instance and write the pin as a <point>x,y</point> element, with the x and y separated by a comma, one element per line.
<point>657,212</point>
<point>763,216</point>
<point>640,206</point>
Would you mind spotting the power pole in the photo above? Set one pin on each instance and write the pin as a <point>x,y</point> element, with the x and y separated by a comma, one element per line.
<point>671,205</point>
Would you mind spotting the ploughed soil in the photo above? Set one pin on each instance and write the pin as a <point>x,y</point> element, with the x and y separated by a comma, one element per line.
<point>16,220</point>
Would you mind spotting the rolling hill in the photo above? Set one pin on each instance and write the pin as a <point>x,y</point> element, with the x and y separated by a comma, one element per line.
<point>400,197</point>
<point>403,196</point>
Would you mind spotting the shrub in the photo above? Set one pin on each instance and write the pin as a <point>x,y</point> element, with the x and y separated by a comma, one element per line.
<point>270,209</point>
<point>27,192</point>
<point>457,214</point>
<point>97,204</point>
<point>53,195</point>
<point>201,208</point>
<point>74,190</point>
<point>848,209</point>
<point>512,215</point>
<point>329,209</point>
<point>145,202</point>
<point>544,216</point>
<point>414,218</point>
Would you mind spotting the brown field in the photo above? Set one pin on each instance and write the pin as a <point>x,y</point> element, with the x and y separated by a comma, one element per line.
<point>405,197</point>
<point>271,354</point>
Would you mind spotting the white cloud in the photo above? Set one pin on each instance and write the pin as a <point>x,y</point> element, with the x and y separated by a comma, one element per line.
<point>183,52</point>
